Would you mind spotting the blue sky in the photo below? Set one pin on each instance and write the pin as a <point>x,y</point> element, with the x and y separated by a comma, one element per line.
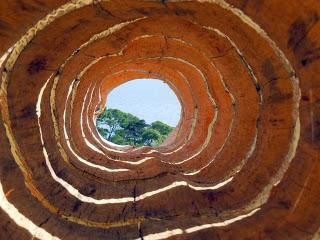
<point>148,99</point>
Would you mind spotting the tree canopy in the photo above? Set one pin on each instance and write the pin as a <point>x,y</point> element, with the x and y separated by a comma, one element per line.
<point>126,129</point>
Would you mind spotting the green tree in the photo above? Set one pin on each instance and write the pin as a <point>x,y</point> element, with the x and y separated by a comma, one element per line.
<point>163,128</point>
<point>150,137</point>
<point>118,139</point>
<point>126,129</point>
<point>110,121</point>
<point>103,132</point>
<point>133,131</point>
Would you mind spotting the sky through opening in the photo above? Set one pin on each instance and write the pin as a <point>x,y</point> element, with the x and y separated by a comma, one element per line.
<point>148,99</point>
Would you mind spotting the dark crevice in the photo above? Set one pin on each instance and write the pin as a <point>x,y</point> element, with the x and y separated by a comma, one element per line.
<point>44,222</point>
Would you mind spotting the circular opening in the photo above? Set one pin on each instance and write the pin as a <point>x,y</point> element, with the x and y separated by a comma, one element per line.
<point>141,112</point>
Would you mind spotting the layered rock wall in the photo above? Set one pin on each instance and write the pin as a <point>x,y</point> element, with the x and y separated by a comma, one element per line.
<point>244,161</point>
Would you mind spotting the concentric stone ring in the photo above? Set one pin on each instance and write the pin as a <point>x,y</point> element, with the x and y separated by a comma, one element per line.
<point>243,162</point>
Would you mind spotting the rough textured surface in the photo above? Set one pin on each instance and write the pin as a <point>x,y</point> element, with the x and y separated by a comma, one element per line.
<point>244,160</point>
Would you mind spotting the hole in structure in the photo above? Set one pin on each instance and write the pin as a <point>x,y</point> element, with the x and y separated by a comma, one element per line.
<point>141,112</point>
